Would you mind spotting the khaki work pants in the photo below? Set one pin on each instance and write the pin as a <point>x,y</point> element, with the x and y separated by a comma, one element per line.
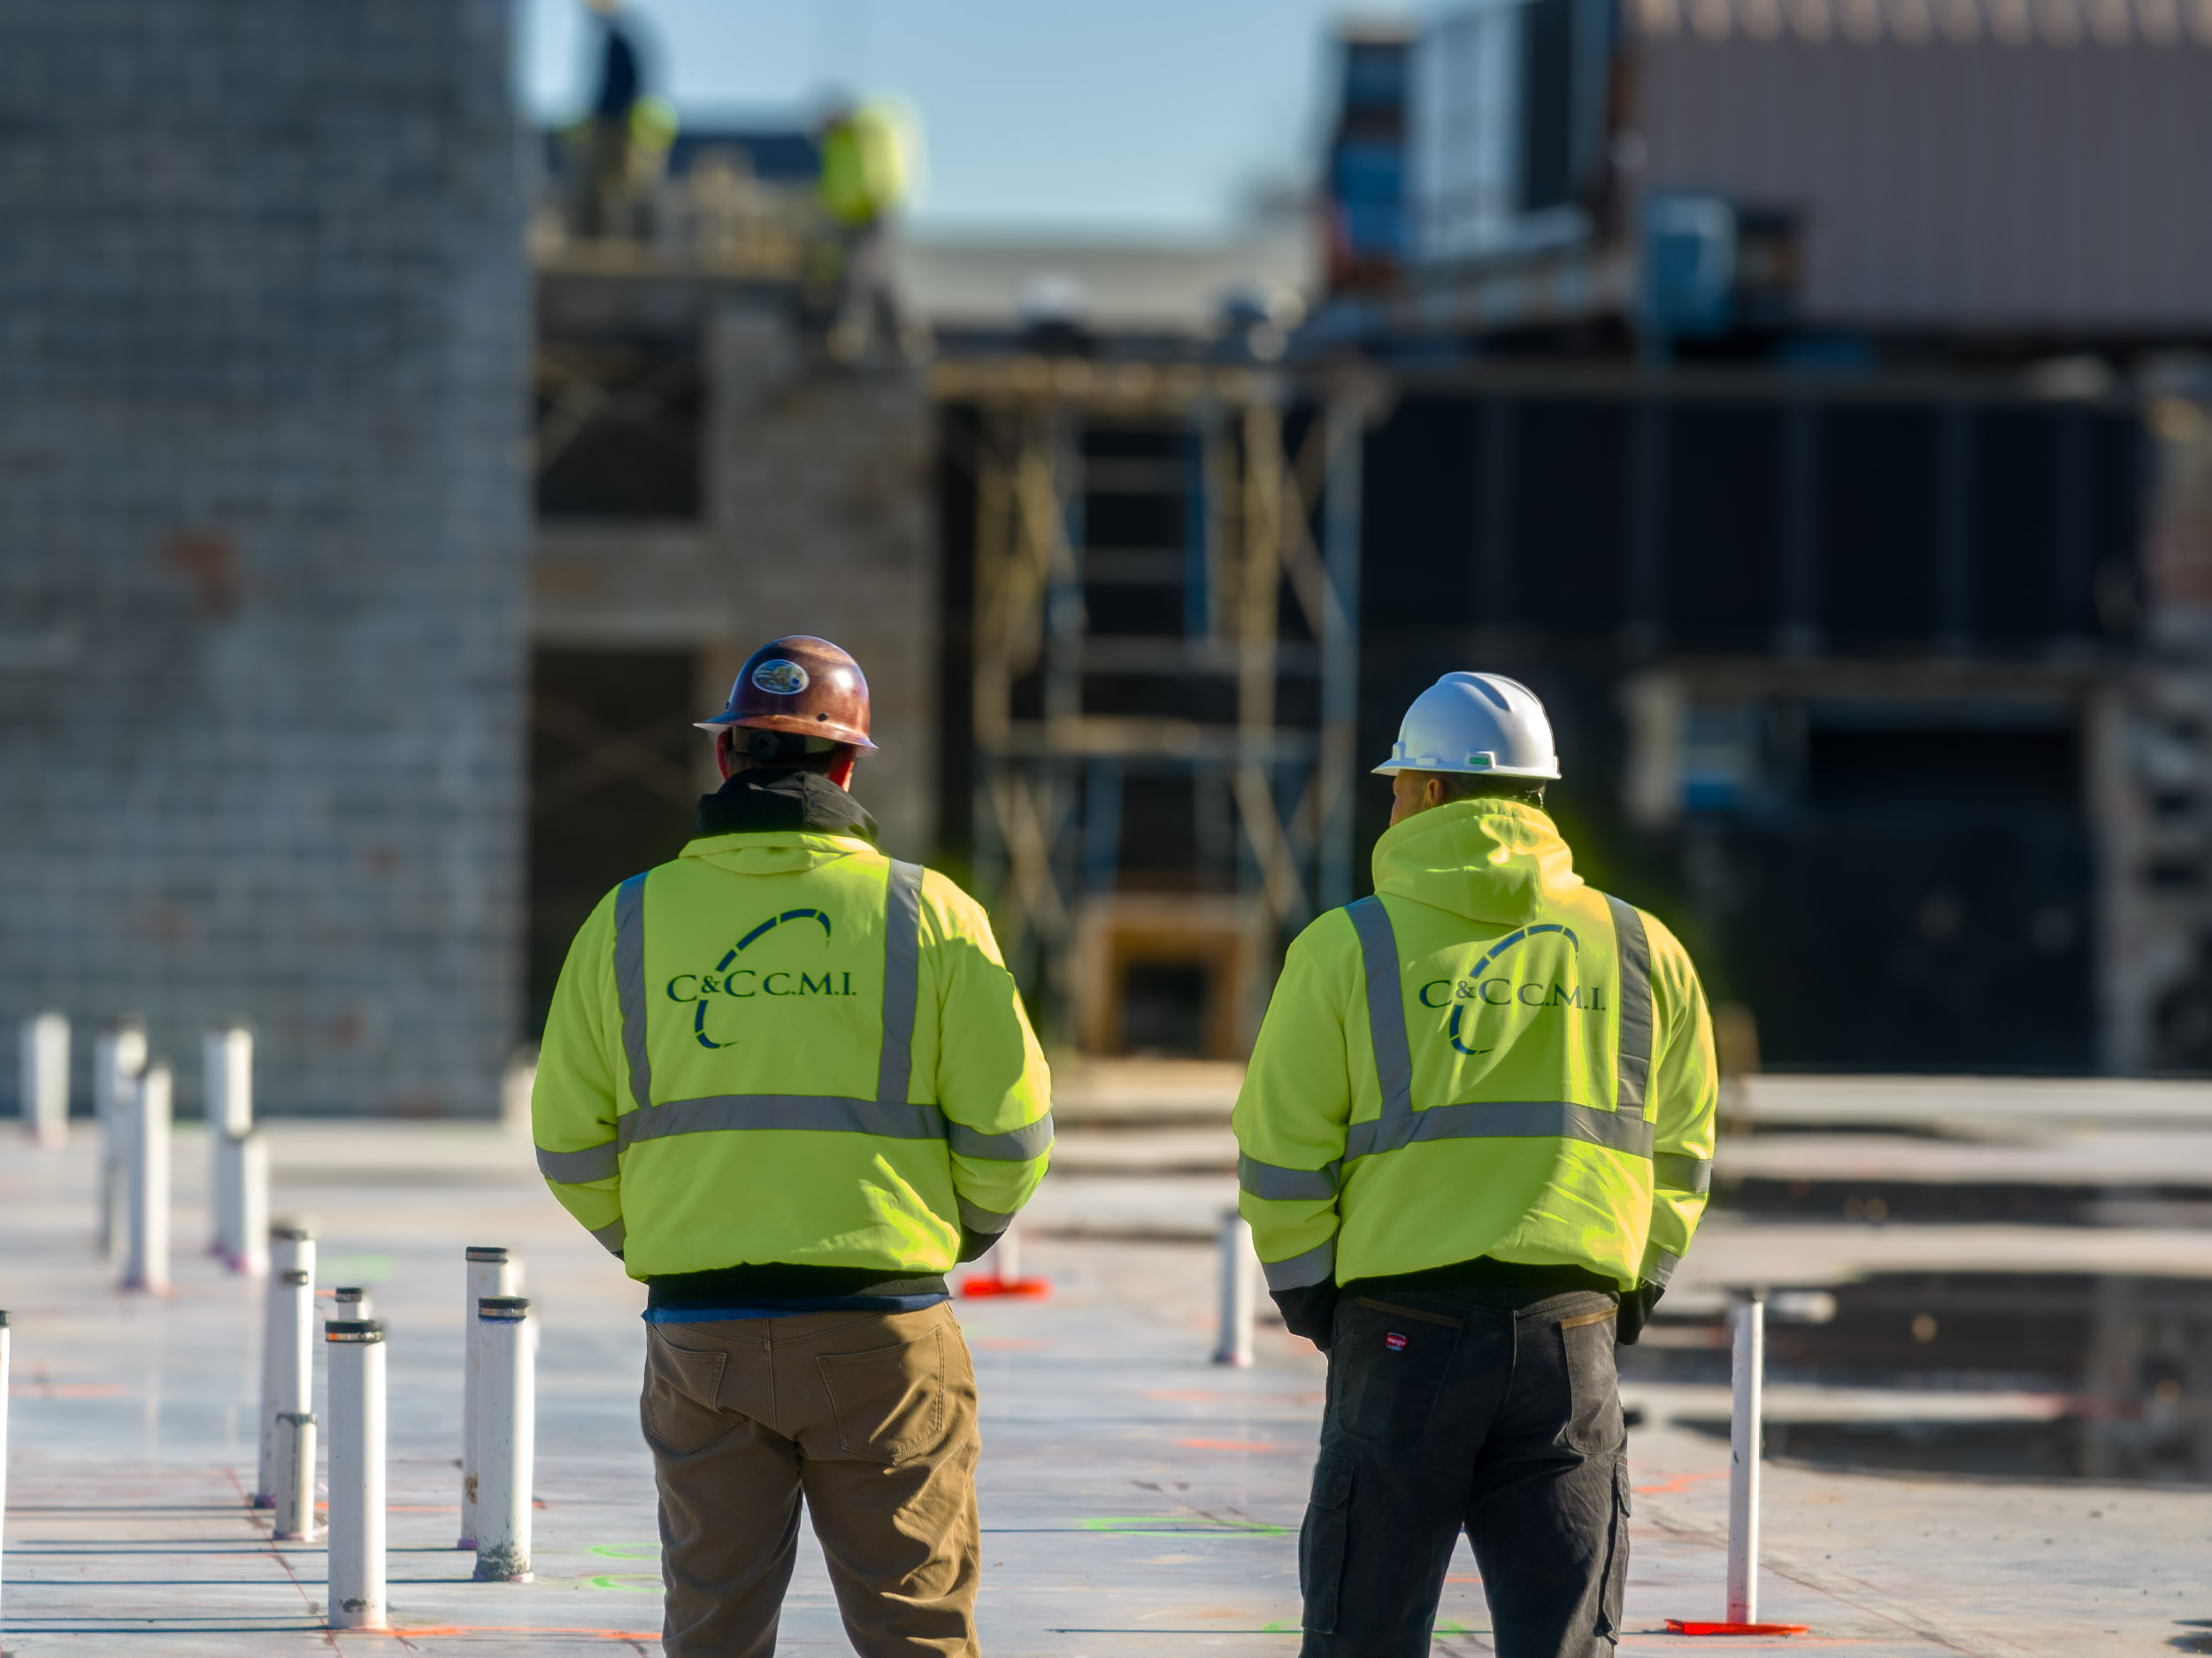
<point>872,1417</point>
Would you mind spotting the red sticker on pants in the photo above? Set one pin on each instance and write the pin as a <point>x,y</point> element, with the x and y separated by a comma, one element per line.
<point>1395,1342</point>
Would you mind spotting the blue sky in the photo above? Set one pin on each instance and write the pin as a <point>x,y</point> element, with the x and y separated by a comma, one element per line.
<point>1132,118</point>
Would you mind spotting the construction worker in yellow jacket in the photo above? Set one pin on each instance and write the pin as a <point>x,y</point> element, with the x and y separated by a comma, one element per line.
<point>1476,1133</point>
<point>788,1080</point>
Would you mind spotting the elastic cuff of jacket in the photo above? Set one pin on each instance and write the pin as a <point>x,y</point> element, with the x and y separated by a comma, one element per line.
<point>1659,1265</point>
<point>1276,1184</point>
<point>1315,1266</point>
<point>611,1237</point>
<point>982,1220</point>
<point>1018,1146</point>
<point>580,1168</point>
<point>1679,1173</point>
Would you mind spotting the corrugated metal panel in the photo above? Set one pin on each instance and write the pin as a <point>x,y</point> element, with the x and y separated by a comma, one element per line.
<point>1987,164</point>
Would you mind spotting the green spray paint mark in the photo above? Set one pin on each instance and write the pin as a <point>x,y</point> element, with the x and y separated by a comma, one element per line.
<point>626,1551</point>
<point>354,1269</point>
<point>1177,1525</point>
<point>629,1583</point>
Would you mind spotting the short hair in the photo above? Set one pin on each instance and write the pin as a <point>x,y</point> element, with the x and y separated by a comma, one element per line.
<point>1480,785</point>
<point>783,751</point>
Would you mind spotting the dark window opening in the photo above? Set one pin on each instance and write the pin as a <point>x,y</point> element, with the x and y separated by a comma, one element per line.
<point>1163,1009</point>
<point>612,788</point>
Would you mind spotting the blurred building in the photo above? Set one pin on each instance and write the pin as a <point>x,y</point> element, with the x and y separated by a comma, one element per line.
<point>1772,383</point>
<point>263,321</point>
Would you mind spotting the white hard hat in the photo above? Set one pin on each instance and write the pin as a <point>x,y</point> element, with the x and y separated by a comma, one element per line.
<point>1484,724</point>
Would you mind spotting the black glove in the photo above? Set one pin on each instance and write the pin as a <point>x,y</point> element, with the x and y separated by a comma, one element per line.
<point>973,1243</point>
<point>1309,1312</point>
<point>1636,1306</point>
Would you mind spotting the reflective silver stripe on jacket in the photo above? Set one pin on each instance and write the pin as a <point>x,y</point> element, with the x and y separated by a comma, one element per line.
<point>576,1168</point>
<point>1659,1264</point>
<point>1517,1119</point>
<point>981,1220</point>
<point>1632,948</point>
<point>1018,1145</point>
<point>1318,1265</point>
<point>1683,1174</point>
<point>1400,1125</point>
<point>629,985</point>
<point>1271,1180</point>
<point>890,1115</point>
<point>835,1113</point>
<point>1386,1021</point>
<point>902,978</point>
<point>611,1236</point>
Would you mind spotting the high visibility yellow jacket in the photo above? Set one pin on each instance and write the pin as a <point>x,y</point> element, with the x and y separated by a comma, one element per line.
<point>868,163</point>
<point>1487,1058</point>
<point>785,1046</point>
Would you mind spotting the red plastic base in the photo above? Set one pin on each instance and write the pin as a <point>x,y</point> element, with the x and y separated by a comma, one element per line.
<point>1679,1626</point>
<point>1034,1288</point>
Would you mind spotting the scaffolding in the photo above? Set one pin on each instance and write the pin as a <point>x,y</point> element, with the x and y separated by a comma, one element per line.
<point>1260,474</point>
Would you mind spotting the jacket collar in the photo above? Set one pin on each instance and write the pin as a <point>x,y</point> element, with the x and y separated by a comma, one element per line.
<point>760,803</point>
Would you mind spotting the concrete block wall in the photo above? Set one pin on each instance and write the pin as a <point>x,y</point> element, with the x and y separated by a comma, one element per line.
<point>264,326</point>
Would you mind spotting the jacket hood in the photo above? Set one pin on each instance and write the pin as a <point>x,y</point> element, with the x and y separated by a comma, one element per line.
<point>779,823</point>
<point>1488,860</point>
<point>774,851</point>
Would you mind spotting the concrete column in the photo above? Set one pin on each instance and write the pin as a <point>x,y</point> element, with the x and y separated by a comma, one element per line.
<point>291,1251</point>
<point>357,1473</point>
<point>1235,1347</point>
<point>1748,1317</point>
<point>45,1091</point>
<point>506,1437</point>
<point>492,1271</point>
<point>148,1265</point>
<point>118,1054</point>
<point>248,1223</point>
<point>295,1477</point>
<point>4,1447</point>
<point>227,1055</point>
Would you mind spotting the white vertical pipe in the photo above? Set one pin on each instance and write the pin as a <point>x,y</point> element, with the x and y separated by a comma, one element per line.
<point>148,1267</point>
<point>1009,1257</point>
<point>295,1477</point>
<point>249,1197</point>
<point>226,1057</point>
<point>118,1054</point>
<point>1744,1438</point>
<point>4,1447</point>
<point>351,1301</point>
<point>46,1079</point>
<point>492,1271</point>
<point>357,1473</point>
<point>292,1253</point>
<point>1235,1345</point>
<point>507,1429</point>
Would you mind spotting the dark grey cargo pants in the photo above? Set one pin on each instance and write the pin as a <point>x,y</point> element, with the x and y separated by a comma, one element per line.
<point>1449,1409</point>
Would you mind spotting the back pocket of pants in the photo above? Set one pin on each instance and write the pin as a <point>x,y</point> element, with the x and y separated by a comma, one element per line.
<point>1322,1540</point>
<point>1594,1426</point>
<point>683,1387</point>
<point>889,1403</point>
<point>1389,1363</point>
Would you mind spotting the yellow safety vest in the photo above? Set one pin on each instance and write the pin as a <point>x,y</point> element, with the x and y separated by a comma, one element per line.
<point>787,1048</point>
<point>1487,1057</point>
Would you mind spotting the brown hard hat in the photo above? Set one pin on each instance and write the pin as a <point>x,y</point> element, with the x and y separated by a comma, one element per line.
<point>801,685</point>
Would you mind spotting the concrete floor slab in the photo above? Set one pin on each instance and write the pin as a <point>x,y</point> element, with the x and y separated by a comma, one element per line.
<point>1136,1500</point>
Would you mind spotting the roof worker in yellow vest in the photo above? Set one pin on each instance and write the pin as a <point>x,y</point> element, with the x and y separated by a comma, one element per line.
<point>788,1080</point>
<point>872,158</point>
<point>1477,1131</point>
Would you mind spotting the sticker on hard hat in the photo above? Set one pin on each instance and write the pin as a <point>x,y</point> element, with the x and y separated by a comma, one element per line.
<point>781,678</point>
<point>1481,760</point>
